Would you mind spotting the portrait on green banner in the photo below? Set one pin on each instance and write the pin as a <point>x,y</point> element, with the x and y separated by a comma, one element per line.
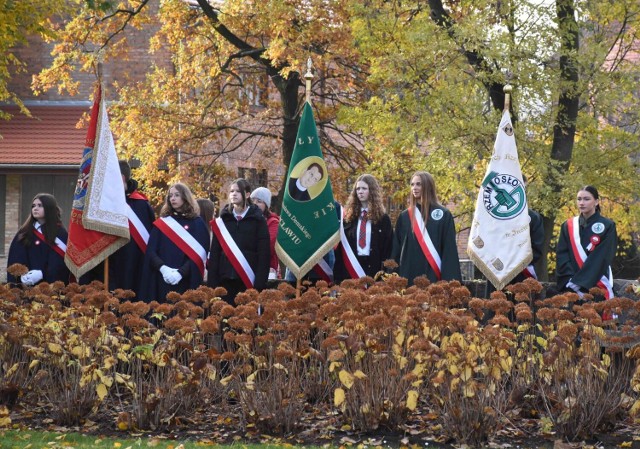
<point>307,179</point>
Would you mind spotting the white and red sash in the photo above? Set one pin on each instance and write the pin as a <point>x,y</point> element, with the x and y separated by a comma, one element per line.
<point>580,256</point>
<point>233,253</point>
<point>183,240</point>
<point>323,270</point>
<point>137,230</point>
<point>60,247</point>
<point>530,272</point>
<point>351,262</point>
<point>428,249</point>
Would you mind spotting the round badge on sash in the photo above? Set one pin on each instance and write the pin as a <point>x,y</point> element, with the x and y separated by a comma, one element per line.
<point>597,228</point>
<point>437,214</point>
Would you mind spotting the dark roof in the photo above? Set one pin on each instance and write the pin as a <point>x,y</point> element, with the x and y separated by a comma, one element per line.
<point>50,137</point>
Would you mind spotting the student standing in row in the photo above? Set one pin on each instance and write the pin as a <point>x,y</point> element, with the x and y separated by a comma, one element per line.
<point>40,244</point>
<point>367,231</point>
<point>239,255</point>
<point>125,265</point>
<point>425,236</point>
<point>261,197</point>
<point>177,249</point>
<point>586,247</point>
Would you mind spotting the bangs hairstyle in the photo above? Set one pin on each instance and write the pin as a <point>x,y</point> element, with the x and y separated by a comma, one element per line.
<point>190,208</point>
<point>428,197</point>
<point>353,208</point>
<point>245,191</point>
<point>52,216</point>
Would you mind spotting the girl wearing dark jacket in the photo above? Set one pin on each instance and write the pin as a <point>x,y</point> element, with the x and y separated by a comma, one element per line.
<point>425,235</point>
<point>40,244</point>
<point>586,247</point>
<point>177,249</point>
<point>367,229</point>
<point>239,255</point>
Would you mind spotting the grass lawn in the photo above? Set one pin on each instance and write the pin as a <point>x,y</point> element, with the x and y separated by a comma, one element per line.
<point>31,439</point>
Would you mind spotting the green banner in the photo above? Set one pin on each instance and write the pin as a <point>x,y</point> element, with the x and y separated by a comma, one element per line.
<point>309,225</point>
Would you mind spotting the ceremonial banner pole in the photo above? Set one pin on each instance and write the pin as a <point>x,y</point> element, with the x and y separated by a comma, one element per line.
<point>499,241</point>
<point>309,225</point>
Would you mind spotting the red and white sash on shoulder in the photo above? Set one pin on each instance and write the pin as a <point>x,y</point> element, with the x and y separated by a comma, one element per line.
<point>430,252</point>
<point>60,247</point>
<point>323,270</point>
<point>530,272</point>
<point>137,230</point>
<point>351,262</point>
<point>183,240</point>
<point>580,256</point>
<point>233,253</point>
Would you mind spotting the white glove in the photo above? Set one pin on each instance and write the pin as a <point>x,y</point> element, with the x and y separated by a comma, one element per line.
<point>175,277</point>
<point>166,273</point>
<point>32,277</point>
<point>36,276</point>
<point>26,279</point>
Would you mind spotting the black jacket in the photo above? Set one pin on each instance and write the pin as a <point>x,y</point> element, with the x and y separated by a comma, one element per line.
<point>381,243</point>
<point>251,234</point>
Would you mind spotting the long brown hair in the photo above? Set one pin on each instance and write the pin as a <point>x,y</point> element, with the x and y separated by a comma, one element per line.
<point>376,208</point>
<point>429,197</point>
<point>190,208</point>
<point>52,217</point>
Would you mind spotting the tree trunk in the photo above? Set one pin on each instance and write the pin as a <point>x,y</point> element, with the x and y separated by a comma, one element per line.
<point>564,129</point>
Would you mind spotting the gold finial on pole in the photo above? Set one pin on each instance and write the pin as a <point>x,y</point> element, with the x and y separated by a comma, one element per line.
<point>308,77</point>
<point>507,96</point>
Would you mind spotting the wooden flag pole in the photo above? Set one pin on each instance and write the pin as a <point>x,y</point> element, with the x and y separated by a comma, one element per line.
<point>298,287</point>
<point>308,77</point>
<point>106,274</point>
<point>507,96</point>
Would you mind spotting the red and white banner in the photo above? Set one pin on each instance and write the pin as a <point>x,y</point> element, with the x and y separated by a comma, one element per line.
<point>580,256</point>
<point>323,270</point>
<point>233,253</point>
<point>183,240</point>
<point>99,224</point>
<point>429,251</point>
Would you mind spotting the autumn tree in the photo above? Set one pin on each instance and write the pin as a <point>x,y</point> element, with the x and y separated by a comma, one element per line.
<point>19,21</point>
<point>437,75</point>
<point>234,80</point>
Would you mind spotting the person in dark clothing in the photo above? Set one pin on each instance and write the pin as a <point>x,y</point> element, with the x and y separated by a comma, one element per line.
<point>40,244</point>
<point>125,265</point>
<point>367,229</point>
<point>424,240</point>
<point>177,250</point>
<point>239,254</point>
<point>586,248</point>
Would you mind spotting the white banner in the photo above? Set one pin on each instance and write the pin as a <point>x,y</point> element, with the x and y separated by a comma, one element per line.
<point>106,205</point>
<point>500,242</point>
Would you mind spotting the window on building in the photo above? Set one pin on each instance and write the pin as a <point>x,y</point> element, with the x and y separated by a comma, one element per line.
<point>60,186</point>
<point>254,89</point>
<point>256,176</point>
